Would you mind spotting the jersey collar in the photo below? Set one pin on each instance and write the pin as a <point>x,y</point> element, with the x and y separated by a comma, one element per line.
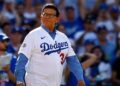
<point>52,34</point>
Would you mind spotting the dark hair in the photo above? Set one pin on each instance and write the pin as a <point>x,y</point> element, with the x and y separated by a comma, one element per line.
<point>100,28</point>
<point>90,18</point>
<point>5,23</point>
<point>52,6</point>
<point>67,8</point>
<point>103,57</point>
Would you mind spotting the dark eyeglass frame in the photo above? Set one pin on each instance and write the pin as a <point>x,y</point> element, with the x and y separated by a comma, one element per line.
<point>46,15</point>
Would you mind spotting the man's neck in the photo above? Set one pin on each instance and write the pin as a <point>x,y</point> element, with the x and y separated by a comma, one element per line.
<point>50,29</point>
<point>103,41</point>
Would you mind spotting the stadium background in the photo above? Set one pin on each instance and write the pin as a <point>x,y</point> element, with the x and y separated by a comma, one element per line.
<point>92,26</point>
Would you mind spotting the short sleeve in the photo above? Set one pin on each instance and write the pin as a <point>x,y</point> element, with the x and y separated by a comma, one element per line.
<point>70,50</point>
<point>27,46</point>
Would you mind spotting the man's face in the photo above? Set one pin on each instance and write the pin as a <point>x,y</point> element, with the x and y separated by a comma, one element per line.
<point>102,34</point>
<point>48,17</point>
<point>70,14</point>
<point>3,45</point>
<point>16,37</point>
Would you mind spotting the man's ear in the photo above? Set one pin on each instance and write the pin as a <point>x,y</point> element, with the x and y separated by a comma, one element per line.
<point>40,16</point>
<point>57,20</point>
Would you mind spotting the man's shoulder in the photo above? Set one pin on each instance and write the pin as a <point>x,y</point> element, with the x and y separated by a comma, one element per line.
<point>61,33</point>
<point>35,31</point>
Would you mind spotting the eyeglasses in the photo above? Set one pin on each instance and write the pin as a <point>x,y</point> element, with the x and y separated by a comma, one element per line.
<point>46,15</point>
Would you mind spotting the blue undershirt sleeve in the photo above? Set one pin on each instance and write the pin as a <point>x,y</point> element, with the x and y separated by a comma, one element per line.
<point>75,67</point>
<point>20,67</point>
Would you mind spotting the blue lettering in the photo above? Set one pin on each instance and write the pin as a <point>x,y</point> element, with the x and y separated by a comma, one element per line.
<point>55,45</point>
<point>50,48</point>
<point>44,46</point>
<point>66,44</point>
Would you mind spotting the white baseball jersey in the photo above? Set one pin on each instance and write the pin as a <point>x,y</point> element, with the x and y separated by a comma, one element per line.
<point>46,56</point>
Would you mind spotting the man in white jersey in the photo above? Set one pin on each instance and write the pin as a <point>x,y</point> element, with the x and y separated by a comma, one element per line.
<point>43,52</point>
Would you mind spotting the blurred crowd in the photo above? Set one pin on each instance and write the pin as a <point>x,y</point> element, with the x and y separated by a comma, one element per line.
<point>93,26</point>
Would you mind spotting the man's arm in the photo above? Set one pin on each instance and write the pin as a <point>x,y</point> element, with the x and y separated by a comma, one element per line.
<point>20,69</point>
<point>10,74</point>
<point>76,68</point>
<point>90,61</point>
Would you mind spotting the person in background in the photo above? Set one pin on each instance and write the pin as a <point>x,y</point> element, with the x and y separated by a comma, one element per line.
<point>16,38</point>
<point>72,25</point>
<point>115,66</point>
<point>87,60</point>
<point>107,46</point>
<point>100,71</point>
<point>7,63</point>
